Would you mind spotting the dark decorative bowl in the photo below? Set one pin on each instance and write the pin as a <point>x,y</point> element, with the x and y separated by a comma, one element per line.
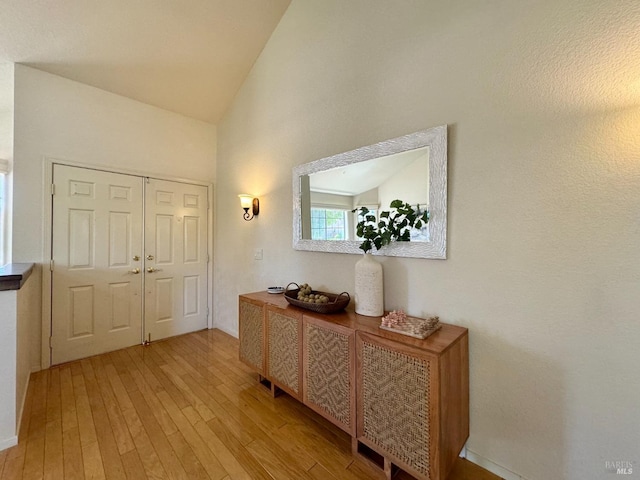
<point>336,303</point>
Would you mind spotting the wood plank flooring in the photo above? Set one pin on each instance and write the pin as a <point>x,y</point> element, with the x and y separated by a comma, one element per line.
<point>183,408</point>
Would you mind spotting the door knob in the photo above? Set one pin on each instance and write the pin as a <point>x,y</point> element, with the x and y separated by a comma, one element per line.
<point>149,257</point>
<point>136,258</point>
<point>135,271</point>
<point>151,269</point>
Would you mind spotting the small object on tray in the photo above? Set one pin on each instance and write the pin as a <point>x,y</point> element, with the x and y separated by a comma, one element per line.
<point>320,302</point>
<point>275,289</point>
<point>398,321</point>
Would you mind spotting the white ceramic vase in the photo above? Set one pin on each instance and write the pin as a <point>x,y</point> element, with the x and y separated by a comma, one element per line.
<point>369,287</point>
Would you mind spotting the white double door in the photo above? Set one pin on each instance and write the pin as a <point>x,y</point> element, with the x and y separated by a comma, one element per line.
<point>129,261</point>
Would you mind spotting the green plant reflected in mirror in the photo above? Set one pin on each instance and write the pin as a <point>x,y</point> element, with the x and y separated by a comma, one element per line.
<point>402,223</point>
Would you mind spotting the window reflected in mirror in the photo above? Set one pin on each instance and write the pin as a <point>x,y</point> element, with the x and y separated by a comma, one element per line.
<point>330,224</point>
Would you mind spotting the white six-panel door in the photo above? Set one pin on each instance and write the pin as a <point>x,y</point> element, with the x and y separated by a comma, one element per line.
<point>97,234</point>
<point>176,258</point>
<point>106,279</point>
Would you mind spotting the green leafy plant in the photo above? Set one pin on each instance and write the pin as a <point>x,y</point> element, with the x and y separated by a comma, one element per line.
<point>393,226</point>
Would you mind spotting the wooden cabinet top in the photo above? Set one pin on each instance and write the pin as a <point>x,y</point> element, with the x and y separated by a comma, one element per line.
<point>436,343</point>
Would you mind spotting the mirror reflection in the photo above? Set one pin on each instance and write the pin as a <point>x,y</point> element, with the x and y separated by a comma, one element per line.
<point>411,168</point>
<point>329,197</point>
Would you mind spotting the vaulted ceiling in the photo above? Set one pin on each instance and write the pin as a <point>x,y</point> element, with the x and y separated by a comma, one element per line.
<point>185,56</point>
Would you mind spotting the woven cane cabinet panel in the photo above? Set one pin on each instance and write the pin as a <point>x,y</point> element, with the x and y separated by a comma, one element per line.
<point>329,372</point>
<point>401,414</point>
<point>284,350</point>
<point>251,328</point>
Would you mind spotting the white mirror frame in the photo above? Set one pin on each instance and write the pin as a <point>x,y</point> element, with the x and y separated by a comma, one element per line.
<point>436,139</point>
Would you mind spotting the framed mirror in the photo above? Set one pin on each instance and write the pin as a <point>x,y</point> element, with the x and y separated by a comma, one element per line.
<point>411,168</point>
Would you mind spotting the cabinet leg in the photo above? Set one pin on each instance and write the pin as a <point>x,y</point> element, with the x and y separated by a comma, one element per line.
<point>275,391</point>
<point>264,382</point>
<point>388,467</point>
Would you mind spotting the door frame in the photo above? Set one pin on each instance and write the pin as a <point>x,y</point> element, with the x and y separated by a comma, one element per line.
<point>47,245</point>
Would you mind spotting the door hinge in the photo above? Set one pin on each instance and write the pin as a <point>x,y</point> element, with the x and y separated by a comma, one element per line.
<point>51,265</point>
<point>53,189</point>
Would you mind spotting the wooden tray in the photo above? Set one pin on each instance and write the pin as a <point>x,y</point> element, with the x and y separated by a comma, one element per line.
<point>404,331</point>
<point>415,327</point>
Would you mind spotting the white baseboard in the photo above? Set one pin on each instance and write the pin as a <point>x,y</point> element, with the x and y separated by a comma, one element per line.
<point>228,332</point>
<point>8,443</point>
<point>491,466</point>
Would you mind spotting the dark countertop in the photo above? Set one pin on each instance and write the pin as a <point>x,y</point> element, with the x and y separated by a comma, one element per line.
<point>13,275</point>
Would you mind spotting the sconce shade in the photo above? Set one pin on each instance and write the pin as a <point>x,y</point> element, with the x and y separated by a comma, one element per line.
<point>246,200</point>
<point>249,202</point>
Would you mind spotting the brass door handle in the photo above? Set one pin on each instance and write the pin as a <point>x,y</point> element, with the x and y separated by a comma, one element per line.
<point>135,271</point>
<point>151,269</point>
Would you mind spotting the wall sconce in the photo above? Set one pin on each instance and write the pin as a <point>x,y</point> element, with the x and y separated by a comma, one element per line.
<point>249,202</point>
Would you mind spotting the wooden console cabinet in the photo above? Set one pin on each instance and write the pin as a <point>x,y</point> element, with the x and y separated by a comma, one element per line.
<point>404,401</point>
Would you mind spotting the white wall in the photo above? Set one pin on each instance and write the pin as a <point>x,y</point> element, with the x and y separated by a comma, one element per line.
<point>332,200</point>
<point>542,102</point>
<point>412,183</point>
<point>20,309</point>
<point>8,307</point>
<point>6,111</point>
<point>370,198</point>
<point>65,120</point>
<point>29,312</point>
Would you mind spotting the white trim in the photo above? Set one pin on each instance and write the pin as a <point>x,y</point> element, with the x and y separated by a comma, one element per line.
<point>329,206</point>
<point>492,466</point>
<point>125,171</point>
<point>232,333</point>
<point>5,206</point>
<point>47,214</point>
<point>463,452</point>
<point>47,176</point>
<point>8,442</point>
<point>210,198</point>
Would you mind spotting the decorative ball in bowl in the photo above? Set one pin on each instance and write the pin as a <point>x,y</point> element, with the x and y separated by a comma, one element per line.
<point>321,302</point>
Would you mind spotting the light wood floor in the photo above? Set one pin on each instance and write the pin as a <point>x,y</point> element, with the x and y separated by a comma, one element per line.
<point>183,408</point>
